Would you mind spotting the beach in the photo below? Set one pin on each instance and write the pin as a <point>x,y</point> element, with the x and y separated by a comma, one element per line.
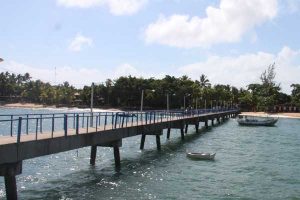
<point>38,106</point>
<point>281,115</point>
<point>26,105</point>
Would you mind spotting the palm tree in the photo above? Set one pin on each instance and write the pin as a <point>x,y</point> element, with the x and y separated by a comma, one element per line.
<point>204,82</point>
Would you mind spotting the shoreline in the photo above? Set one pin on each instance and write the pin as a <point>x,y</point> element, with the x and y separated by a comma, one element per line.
<point>40,106</point>
<point>280,115</point>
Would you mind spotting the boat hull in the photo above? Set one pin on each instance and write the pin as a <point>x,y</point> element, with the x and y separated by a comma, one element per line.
<point>270,122</point>
<point>201,156</point>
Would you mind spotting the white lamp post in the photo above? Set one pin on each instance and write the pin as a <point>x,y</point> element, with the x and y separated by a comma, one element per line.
<point>142,99</point>
<point>168,102</point>
<point>92,105</point>
<point>186,95</point>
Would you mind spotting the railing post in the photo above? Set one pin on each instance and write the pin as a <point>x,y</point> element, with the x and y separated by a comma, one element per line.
<point>27,124</point>
<point>41,123</point>
<point>105,121</point>
<point>92,120</point>
<point>11,125</point>
<point>36,128</point>
<point>77,124</point>
<point>82,120</point>
<point>112,120</point>
<point>52,130</point>
<point>74,124</point>
<point>146,118</point>
<point>116,120</point>
<point>19,130</point>
<point>96,123</point>
<point>87,123</point>
<point>66,124</point>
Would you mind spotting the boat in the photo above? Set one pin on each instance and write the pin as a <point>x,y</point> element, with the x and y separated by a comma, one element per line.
<point>201,156</point>
<point>256,120</point>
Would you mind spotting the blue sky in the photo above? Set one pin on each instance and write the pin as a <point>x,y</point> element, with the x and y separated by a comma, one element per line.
<point>84,41</point>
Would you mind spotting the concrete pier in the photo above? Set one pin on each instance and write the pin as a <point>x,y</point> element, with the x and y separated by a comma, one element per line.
<point>15,149</point>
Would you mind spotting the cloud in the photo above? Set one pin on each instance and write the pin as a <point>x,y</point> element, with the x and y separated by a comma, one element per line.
<point>245,69</point>
<point>291,5</point>
<point>225,24</point>
<point>125,70</point>
<point>116,7</point>
<point>77,77</point>
<point>58,75</point>
<point>79,41</point>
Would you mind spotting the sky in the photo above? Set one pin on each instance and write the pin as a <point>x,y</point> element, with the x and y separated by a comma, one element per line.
<point>84,41</point>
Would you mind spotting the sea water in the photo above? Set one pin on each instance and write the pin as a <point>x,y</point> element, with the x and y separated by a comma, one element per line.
<point>250,163</point>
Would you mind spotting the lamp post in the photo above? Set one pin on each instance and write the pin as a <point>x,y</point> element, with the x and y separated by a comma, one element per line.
<point>168,106</point>
<point>92,97</point>
<point>186,95</point>
<point>92,104</point>
<point>142,99</point>
<point>168,100</point>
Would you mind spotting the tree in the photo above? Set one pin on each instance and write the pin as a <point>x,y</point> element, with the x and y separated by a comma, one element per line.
<point>269,90</point>
<point>296,94</point>
<point>204,82</point>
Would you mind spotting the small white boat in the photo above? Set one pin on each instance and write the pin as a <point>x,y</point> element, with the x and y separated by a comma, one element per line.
<point>256,120</point>
<point>201,156</point>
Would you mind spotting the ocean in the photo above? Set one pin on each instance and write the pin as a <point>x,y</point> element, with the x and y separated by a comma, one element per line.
<point>250,163</point>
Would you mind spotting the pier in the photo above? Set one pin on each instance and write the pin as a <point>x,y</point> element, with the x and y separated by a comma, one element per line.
<point>34,135</point>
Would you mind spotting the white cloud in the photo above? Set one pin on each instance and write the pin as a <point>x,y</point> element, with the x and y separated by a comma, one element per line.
<point>228,23</point>
<point>80,3</point>
<point>125,70</point>
<point>245,69</point>
<point>75,76</point>
<point>79,41</point>
<point>116,7</point>
<point>292,5</point>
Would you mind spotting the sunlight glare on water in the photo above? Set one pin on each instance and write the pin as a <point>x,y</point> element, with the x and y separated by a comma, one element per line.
<point>251,163</point>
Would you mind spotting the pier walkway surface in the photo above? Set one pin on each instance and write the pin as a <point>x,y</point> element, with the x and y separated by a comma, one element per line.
<point>33,135</point>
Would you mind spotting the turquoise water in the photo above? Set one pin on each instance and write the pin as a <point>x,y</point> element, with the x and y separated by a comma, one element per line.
<point>251,163</point>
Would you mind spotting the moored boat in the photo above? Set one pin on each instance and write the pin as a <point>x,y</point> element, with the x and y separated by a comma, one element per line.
<point>201,156</point>
<point>256,120</point>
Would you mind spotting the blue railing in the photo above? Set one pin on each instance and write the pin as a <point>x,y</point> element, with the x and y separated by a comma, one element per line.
<point>16,125</point>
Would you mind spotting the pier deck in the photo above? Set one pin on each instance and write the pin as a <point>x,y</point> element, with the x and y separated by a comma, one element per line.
<point>90,129</point>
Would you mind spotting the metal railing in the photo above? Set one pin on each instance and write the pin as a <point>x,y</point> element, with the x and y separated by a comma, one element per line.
<point>20,124</point>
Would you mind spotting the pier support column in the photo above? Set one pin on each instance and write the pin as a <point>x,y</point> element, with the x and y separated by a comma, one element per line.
<point>182,133</point>
<point>117,157</point>
<point>11,187</point>
<point>197,128</point>
<point>186,128</point>
<point>93,155</point>
<point>158,142</point>
<point>206,124</point>
<point>142,141</point>
<point>218,120</point>
<point>212,122</point>
<point>9,171</point>
<point>168,133</point>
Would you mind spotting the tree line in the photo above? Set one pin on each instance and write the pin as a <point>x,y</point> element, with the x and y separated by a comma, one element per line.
<point>125,92</point>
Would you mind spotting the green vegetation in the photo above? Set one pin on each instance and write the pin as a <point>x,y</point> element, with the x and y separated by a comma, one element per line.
<point>125,92</point>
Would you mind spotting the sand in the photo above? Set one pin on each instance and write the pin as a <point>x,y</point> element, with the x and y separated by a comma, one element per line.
<point>281,115</point>
<point>25,105</point>
<point>36,106</point>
